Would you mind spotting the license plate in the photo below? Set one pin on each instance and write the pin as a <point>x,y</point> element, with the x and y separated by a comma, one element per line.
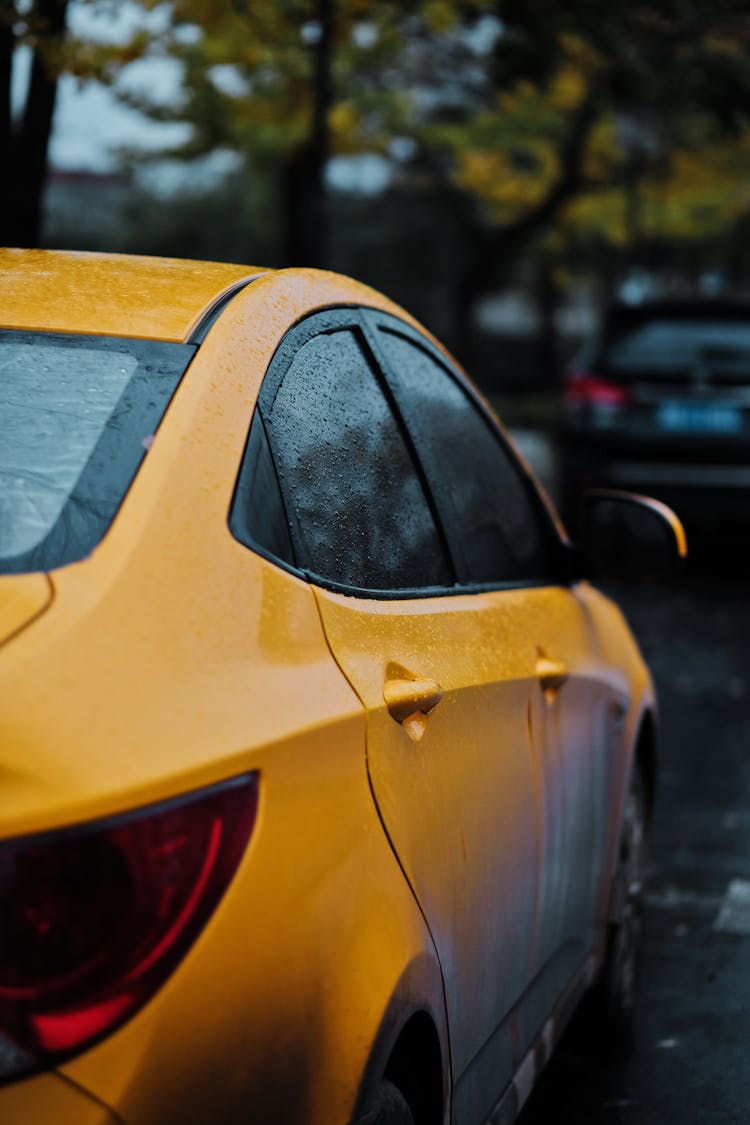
<point>699,418</point>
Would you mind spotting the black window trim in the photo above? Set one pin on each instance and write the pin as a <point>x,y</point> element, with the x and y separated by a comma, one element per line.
<point>216,308</point>
<point>363,320</point>
<point>380,367</point>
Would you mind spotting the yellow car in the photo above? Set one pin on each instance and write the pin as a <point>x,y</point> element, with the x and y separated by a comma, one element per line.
<point>324,769</point>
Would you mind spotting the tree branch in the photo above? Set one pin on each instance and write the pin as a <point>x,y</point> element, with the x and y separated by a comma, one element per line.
<point>490,245</point>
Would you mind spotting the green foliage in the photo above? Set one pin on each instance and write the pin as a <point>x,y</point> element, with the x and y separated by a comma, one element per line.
<point>248,71</point>
<point>567,121</point>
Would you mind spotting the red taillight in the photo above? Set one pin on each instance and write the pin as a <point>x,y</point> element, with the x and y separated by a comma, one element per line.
<point>583,389</point>
<point>94,918</point>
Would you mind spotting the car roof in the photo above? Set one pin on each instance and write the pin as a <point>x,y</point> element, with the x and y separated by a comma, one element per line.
<point>112,294</point>
<point>679,309</point>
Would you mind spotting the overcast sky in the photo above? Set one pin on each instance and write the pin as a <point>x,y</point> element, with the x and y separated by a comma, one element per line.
<point>91,127</point>
<point>90,123</point>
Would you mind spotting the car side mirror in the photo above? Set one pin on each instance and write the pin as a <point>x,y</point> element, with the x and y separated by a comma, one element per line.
<point>629,536</point>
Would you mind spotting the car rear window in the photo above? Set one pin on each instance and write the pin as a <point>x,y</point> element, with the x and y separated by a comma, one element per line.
<point>77,415</point>
<point>671,345</point>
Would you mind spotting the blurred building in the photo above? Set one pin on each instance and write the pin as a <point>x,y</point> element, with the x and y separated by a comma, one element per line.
<point>86,208</point>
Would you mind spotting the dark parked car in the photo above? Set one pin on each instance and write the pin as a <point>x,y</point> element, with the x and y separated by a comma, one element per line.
<point>659,402</point>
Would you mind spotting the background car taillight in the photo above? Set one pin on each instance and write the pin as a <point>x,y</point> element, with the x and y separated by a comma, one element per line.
<point>94,918</point>
<point>585,389</point>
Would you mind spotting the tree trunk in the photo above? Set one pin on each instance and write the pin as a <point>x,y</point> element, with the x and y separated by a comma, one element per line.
<point>7,44</point>
<point>304,190</point>
<point>492,252</point>
<point>548,358</point>
<point>28,140</point>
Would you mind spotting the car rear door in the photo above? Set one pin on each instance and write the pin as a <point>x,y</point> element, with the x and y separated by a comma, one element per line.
<point>506,550</point>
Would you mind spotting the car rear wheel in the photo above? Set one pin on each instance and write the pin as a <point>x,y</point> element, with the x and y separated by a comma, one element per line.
<point>617,989</point>
<point>387,1106</point>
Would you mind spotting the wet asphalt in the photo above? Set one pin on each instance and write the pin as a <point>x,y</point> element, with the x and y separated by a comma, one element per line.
<point>690,1060</point>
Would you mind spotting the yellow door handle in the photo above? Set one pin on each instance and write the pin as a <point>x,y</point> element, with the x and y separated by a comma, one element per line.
<point>552,673</point>
<point>405,698</point>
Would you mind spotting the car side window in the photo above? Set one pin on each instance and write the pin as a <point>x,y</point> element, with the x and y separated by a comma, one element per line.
<point>357,510</point>
<point>257,517</point>
<point>495,530</point>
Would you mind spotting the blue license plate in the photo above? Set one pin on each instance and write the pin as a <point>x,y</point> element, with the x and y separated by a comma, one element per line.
<point>699,418</point>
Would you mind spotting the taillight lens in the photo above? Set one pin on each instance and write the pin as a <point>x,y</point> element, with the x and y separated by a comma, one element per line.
<point>94,918</point>
<point>584,389</point>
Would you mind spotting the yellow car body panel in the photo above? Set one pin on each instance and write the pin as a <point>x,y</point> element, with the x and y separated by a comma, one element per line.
<point>22,598</point>
<point>111,294</point>
<point>49,1097</point>
<point>173,657</point>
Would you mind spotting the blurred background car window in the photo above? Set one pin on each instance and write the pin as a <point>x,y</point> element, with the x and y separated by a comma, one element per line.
<point>681,345</point>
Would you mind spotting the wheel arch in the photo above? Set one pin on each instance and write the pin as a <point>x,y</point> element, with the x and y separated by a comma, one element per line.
<point>646,759</point>
<point>411,1049</point>
<point>415,1066</point>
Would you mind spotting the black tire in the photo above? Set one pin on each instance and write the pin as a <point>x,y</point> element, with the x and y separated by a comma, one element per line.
<point>387,1106</point>
<point>615,994</point>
